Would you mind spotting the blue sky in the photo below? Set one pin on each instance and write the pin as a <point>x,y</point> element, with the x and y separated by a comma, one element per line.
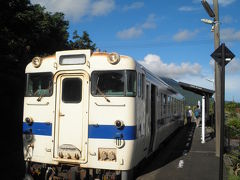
<point>165,36</point>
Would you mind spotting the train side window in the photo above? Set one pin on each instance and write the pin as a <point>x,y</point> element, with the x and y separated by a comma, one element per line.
<point>72,90</point>
<point>147,94</point>
<point>160,95</point>
<point>131,83</point>
<point>169,104</point>
<point>39,84</point>
<point>177,106</point>
<point>164,104</point>
<point>143,86</point>
<point>139,85</point>
<point>174,106</point>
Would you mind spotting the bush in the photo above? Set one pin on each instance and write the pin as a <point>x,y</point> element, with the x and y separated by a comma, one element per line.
<point>234,122</point>
<point>233,127</point>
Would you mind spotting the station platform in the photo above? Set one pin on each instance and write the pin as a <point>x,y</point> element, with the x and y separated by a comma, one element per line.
<point>184,157</point>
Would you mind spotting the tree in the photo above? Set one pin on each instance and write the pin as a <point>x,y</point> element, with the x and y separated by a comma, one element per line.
<point>81,42</point>
<point>27,30</point>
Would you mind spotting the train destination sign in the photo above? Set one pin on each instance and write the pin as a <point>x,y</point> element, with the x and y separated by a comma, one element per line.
<point>222,53</point>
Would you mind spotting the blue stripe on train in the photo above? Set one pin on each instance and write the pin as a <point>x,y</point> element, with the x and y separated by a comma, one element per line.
<point>111,132</point>
<point>38,128</point>
<point>94,131</point>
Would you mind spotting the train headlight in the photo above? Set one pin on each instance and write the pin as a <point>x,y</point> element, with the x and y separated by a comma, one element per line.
<point>111,155</point>
<point>37,61</point>
<point>107,154</point>
<point>113,58</point>
<point>119,124</point>
<point>103,156</point>
<point>29,120</point>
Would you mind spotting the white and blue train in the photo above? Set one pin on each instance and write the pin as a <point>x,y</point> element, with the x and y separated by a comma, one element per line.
<point>94,115</point>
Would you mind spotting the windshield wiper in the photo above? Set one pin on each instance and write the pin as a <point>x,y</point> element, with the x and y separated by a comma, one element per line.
<point>103,94</point>
<point>41,95</point>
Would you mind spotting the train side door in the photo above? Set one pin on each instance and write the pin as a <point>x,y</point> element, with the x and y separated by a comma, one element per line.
<point>148,113</point>
<point>153,116</point>
<point>71,118</point>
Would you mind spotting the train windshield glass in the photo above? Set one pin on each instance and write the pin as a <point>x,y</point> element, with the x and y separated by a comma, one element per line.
<point>39,84</point>
<point>114,83</point>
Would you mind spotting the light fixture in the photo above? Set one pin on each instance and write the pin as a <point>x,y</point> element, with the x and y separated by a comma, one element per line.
<point>111,155</point>
<point>207,21</point>
<point>37,61</point>
<point>103,156</point>
<point>113,58</point>
<point>119,124</point>
<point>213,28</point>
<point>29,120</point>
<point>208,8</point>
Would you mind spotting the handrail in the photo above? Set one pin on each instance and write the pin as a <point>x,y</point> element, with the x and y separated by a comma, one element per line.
<point>117,105</point>
<point>39,104</point>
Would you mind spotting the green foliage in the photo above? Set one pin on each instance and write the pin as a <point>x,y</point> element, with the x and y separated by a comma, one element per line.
<point>27,30</point>
<point>81,42</point>
<point>234,122</point>
<point>233,167</point>
<point>230,108</point>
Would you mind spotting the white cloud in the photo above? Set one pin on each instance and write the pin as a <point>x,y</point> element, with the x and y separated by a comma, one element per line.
<point>185,35</point>
<point>232,87</point>
<point>232,76</point>
<point>150,23</point>
<point>212,63</point>
<point>129,33</point>
<point>233,66</point>
<point>225,2</point>
<point>231,83</point>
<point>102,7</point>
<point>227,19</point>
<point>136,31</point>
<point>229,34</point>
<point>75,9</point>
<point>155,64</point>
<point>134,5</point>
<point>192,74</point>
<point>187,8</point>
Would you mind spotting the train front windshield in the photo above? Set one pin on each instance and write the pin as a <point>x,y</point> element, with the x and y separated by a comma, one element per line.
<point>39,84</point>
<point>114,83</point>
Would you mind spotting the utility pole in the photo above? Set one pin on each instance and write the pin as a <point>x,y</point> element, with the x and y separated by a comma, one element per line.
<point>217,99</point>
<point>217,80</point>
<point>222,56</point>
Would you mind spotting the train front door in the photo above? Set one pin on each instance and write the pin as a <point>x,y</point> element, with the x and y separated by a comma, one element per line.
<point>71,118</point>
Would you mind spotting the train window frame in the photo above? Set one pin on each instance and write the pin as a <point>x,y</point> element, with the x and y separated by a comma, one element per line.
<point>139,85</point>
<point>143,85</point>
<point>72,59</point>
<point>126,81</point>
<point>174,106</point>
<point>78,99</point>
<point>164,104</point>
<point>169,105</point>
<point>160,100</point>
<point>147,98</point>
<point>125,87</point>
<point>34,94</point>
